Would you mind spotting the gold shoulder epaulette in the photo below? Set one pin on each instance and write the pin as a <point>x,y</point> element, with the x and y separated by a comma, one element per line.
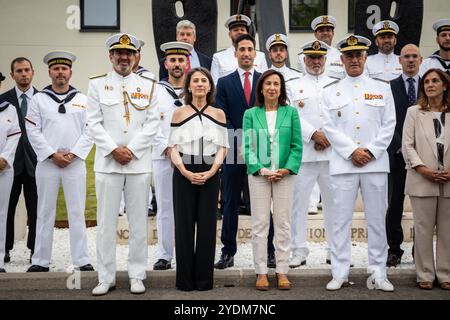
<point>331,83</point>
<point>98,76</point>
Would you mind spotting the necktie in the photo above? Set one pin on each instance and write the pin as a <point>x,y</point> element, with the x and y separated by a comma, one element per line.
<point>411,92</point>
<point>188,66</point>
<point>24,104</point>
<point>247,87</point>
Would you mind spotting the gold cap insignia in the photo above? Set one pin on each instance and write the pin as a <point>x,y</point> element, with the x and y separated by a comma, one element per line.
<point>238,17</point>
<point>125,40</point>
<point>316,45</point>
<point>325,19</point>
<point>386,25</point>
<point>277,37</point>
<point>352,41</point>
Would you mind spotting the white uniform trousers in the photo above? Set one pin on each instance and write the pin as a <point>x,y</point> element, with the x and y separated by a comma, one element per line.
<point>262,193</point>
<point>165,226</point>
<point>374,195</point>
<point>48,179</point>
<point>310,174</point>
<point>314,199</point>
<point>109,187</point>
<point>6,181</point>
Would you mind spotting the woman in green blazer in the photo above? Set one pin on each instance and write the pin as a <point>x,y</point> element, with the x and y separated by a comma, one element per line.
<point>273,153</point>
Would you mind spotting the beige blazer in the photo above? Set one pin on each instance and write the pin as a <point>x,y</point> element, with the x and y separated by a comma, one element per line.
<point>419,148</point>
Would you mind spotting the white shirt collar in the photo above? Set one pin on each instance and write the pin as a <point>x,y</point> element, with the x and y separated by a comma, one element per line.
<point>242,72</point>
<point>405,77</point>
<point>28,93</point>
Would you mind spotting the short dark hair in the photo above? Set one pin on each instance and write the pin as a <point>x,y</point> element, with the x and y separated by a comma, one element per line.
<point>187,95</point>
<point>19,60</point>
<point>244,37</point>
<point>423,99</point>
<point>259,95</point>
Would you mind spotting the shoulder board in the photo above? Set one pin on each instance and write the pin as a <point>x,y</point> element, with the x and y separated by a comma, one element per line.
<point>148,78</point>
<point>221,50</point>
<point>3,105</point>
<point>292,79</point>
<point>332,83</point>
<point>293,69</point>
<point>98,76</point>
<point>334,77</point>
<point>384,81</point>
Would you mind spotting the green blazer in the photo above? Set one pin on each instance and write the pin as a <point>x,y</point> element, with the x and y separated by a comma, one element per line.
<point>287,140</point>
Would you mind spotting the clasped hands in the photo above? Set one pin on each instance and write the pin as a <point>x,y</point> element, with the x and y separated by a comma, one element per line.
<point>63,159</point>
<point>433,175</point>
<point>3,164</point>
<point>273,176</point>
<point>198,178</point>
<point>361,157</point>
<point>320,140</point>
<point>122,155</point>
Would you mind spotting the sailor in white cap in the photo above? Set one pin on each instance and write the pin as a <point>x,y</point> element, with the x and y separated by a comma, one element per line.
<point>56,127</point>
<point>323,27</point>
<point>441,58</point>
<point>224,62</point>
<point>305,94</point>
<point>122,120</point>
<point>168,92</point>
<point>384,65</point>
<point>359,117</point>
<point>139,69</point>
<point>277,46</point>
<point>9,138</point>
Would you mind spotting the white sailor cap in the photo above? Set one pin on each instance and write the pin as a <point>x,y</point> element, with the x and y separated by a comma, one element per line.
<point>59,57</point>
<point>315,47</point>
<point>123,41</point>
<point>323,21</point>
<point>277,38</point>
<point>385,26</point>
<point>353,42</point>
<point>238,20</point>
<point>176,47</point>
<point>441,25</point>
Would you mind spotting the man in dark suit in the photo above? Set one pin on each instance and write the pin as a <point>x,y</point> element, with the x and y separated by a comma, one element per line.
<point>186,33</point>
<point>25,161</point>
<point>405,91</point>
<point>235,94</point>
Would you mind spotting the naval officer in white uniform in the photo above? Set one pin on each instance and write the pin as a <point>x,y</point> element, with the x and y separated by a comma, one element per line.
<point>323,27</point>
<point>168,92</point>
<point>56,127</point>
<point>225,62</point>
<point>277,46</point>
<point>384,65</point>
<point>359,117</point>
<point>9,138</point>
<point>305,94</point>
<point>122,120</point>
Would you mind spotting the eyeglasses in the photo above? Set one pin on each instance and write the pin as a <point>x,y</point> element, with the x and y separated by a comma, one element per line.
<point>62,108</point>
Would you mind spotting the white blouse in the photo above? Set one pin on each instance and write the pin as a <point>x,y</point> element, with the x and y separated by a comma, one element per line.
<point>199,134</point>
<point>271,118</point>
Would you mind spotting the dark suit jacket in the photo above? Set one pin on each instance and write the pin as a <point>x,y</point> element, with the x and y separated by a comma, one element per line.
<point>205,62</point>
<point>25,157</point>
<point>401,106</point>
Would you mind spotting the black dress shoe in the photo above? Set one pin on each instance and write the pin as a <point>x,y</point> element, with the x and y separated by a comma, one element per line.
<point>36,268</point>
<point>225,261</point>
<point>162,264</point>
<point>271,262</point>
<point>7,257</point>
<point>393,260</point>
<point>2,270</point>
<point>86,267</point>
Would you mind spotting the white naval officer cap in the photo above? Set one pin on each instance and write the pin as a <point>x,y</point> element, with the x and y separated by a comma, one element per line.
<point>315,47</point>
<point>176,47</point>
<point>352,43</point>
<point>385,26</point>
<point>123,41</point>
<point>323,21</point>
<point>441,25</point>
<point>59,57</point>
<point>277,38</point>
<point>238,20</point>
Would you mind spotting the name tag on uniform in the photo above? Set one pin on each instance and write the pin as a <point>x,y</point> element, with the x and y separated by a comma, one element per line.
<point>370,96</point>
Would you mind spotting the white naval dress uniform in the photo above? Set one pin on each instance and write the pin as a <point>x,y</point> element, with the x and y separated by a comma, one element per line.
<point>163,171</point>
<point>306,95</point>
<point>359,112</point>
<point>9,138</point>
<point>288,73</point>
<point>122,112</point>
<point>50,131</point>
<point>434,62</point>
<point>383,67</point>
<point>224,62</point>
<point>333,66</point>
